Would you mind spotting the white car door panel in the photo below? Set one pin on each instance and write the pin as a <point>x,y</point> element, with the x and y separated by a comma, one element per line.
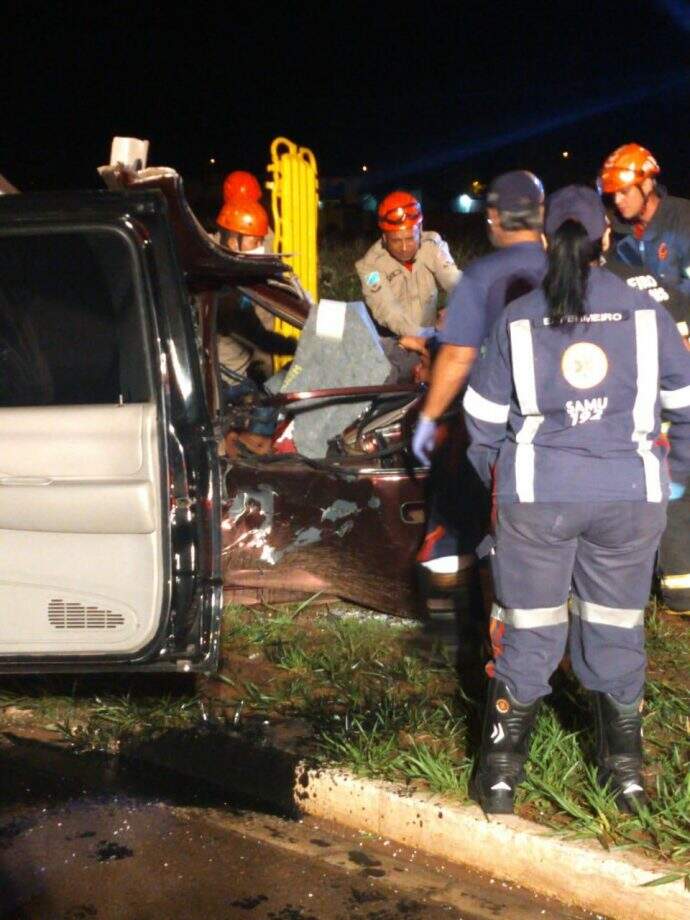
<point>81,511</point>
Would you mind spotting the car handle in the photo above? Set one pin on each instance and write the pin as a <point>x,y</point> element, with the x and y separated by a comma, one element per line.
<point>25,481</point>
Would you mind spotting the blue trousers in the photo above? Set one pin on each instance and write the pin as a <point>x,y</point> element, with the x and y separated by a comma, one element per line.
<point>598,556</point>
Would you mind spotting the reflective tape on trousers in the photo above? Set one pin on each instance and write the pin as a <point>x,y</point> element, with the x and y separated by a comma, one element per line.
<point>622,617</point>
<point>676,582</point>
<point>531,617</point>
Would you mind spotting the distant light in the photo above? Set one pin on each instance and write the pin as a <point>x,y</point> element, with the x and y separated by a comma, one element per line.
<point>464,203</point>
<point>565,154</point>
<point>212,161</point>
<point>365,168</point>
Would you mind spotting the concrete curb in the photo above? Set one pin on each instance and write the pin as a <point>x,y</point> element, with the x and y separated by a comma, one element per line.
<point>510,848</point>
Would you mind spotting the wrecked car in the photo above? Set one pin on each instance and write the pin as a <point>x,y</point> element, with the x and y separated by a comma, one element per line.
<point>125,525</point>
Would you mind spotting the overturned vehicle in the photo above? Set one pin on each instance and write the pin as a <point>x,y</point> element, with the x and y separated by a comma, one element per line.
<point>129,511</point>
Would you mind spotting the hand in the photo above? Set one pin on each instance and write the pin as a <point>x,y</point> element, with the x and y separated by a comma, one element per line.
<point>414,343</point>
<point>675,491</point>
<point>424,439</point>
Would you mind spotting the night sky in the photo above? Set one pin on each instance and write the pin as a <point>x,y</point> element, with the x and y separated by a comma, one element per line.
<point>437,93</point>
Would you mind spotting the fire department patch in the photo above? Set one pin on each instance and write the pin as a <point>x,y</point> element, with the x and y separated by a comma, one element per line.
<point>584,365</point>
<point>662,252</point>
<point>373,278</point>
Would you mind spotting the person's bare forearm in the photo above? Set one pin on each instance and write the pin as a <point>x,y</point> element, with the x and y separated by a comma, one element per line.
<point>448,376</point>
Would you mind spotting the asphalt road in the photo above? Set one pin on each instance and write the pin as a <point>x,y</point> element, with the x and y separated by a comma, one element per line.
<point>84,837</point>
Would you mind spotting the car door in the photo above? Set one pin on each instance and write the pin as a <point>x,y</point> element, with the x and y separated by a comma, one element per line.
<point>109,498</point>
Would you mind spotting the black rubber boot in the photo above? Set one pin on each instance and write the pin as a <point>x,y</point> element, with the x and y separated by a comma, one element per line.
<point>619,749</point>
<point>506,733</point>
<point>452,607</point>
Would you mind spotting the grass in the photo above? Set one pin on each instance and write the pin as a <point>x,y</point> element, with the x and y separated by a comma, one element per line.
<point>382,702</point>
<point>96,712</point>
<point>382,706</point>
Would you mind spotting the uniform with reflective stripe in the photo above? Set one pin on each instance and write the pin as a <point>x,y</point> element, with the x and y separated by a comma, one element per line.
<point>580,480</point>
<point>584,402</point>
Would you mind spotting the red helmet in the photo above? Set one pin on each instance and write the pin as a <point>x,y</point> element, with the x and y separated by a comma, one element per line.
<point>629,165</point>
<point>399,211</point>
<point>246,217</point>
<point>241,185</point>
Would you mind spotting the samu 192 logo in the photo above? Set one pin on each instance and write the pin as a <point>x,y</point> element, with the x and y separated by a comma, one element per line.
<point>584,365</point>
<point>586,410</point>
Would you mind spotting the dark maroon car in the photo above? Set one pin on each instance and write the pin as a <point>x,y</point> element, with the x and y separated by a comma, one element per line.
<point>123,522</point>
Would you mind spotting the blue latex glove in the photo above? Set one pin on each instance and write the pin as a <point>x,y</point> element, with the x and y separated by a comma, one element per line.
<point>426,332</point>
<point>675,491</point>
<point>424,439</point>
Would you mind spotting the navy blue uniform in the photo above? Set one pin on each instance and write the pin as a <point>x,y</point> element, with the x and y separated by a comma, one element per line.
<point>567,421</point>
<point>663,248</point>
<point>670,236</point>
<point>458,512</point>
<point>487,285</point>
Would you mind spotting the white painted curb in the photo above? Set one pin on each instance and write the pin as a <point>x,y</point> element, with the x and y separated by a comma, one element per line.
<point>509,848</point>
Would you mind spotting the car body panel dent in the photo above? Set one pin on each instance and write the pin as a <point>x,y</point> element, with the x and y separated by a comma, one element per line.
<point>291,533</point>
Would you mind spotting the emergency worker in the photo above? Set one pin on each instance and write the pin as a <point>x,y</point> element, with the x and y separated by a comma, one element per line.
<point>243,226</point>
<point>515,210</point>
<point>652,228</point>
<point>402,272</point>
<point>563,412</point>
<point>243,336</point>
<point>458,504</point>
<point>652,236</point>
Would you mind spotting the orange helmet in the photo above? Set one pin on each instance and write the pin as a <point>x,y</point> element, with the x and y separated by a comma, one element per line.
<point>399,211</point>
<point>630,164</point>
<point>239,185</point>
<point>246,217</point>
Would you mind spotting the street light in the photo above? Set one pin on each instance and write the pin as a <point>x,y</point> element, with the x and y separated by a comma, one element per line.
<point>212,161</point>
<point>565,154</point>
<point>365,168</point>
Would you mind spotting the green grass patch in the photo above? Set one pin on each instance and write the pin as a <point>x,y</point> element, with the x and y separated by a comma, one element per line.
<point>383,704</point>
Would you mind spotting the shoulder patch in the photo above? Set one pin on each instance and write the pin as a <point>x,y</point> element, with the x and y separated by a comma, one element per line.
<point>373,278</point>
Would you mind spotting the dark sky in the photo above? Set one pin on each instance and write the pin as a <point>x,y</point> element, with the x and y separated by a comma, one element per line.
<point>408,93</point>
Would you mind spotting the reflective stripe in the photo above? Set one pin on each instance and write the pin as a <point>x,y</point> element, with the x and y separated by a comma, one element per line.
<point>622,617</point>
<point>484,409</point>
<point>532,618</point>
<point>676,582</point>
<point>523,366</point>
<point>683,329</point>
<point>647,354</point>
<point>675,399</point>
<point>526,390</point>
<point>524,458</point>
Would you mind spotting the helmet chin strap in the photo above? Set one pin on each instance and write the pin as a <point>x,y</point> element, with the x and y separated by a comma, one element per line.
<point>645,201</point>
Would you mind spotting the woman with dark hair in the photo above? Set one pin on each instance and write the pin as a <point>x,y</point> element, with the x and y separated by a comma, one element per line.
<point>564,415</point>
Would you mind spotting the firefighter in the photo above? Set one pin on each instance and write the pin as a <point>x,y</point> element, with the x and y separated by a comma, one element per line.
<point>243,336</point>
<point>402,272</point>
<point>652,235</point>
<point>652,228</point>
<point>243,226</point>
<point>563,412</point>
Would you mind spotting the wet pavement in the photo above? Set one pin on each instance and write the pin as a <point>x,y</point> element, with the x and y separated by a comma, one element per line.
<point>86,837</point>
